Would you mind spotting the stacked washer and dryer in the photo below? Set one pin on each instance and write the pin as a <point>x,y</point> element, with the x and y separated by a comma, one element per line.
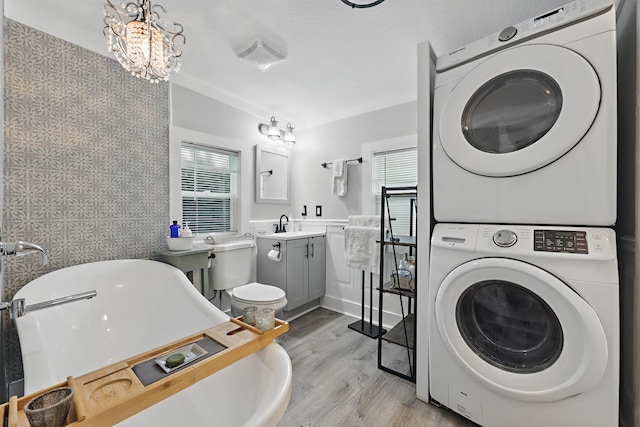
<point>523,284</point>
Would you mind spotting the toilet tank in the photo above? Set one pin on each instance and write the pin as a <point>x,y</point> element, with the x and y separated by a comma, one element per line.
<point>234,264</point>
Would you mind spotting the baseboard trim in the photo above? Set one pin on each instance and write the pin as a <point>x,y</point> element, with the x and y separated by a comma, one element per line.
<point>353,309</point>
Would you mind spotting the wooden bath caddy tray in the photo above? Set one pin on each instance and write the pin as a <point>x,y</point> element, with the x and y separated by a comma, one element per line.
<point>111,394</point>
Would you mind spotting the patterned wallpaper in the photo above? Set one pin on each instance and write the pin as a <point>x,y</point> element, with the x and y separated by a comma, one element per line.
<point>86,168</point>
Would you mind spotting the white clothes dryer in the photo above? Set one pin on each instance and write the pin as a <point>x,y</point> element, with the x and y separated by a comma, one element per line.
<point>524,324</point>
<point>525,122</point>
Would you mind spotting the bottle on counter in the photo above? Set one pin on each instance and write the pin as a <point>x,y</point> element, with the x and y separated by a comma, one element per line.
<point>175,229</point>
<point>186,231</point>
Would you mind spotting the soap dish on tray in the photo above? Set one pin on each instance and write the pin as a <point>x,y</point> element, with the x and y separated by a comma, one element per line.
<point>192,352</point>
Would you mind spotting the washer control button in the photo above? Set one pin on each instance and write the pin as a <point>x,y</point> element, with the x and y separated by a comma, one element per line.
<point>505,238</point>
<point>507,34</point>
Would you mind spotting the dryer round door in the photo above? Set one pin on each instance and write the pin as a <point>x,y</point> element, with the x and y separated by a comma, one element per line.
<point>519,110</point>
<point>519,330</point>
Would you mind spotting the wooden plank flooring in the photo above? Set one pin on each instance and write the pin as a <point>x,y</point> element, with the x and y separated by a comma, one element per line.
<point>336,380</point>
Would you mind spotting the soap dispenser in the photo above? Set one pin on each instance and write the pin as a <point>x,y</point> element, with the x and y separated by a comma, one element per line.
<point>186,231</point>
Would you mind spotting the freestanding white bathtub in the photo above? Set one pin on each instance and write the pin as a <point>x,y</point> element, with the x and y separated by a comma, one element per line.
<point>141,305</point>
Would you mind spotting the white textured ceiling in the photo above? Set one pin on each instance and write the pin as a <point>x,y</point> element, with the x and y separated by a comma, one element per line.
<point>341,61</point>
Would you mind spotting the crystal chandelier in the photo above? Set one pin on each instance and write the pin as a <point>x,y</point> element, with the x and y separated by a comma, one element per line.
<point>141,41</point>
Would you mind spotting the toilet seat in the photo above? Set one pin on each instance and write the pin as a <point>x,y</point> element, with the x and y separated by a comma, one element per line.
<point>258,293</point>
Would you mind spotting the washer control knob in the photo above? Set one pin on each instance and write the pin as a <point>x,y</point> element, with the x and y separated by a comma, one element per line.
<point>505,238</point>
<point>507,34</point>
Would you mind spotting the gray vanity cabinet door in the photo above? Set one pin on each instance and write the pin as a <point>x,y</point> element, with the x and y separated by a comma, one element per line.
<point>317,268</point>
<point>297,273</point>
<point>271,272</point>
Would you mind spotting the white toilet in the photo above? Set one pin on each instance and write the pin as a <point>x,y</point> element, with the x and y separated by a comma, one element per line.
<point>233,271</point>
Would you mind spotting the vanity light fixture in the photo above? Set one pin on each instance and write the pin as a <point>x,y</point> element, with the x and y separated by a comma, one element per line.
<point>141,41</point>
<point>274,133</point>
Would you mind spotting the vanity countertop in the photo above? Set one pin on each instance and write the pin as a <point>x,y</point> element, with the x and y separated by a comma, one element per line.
<point>291,235</point>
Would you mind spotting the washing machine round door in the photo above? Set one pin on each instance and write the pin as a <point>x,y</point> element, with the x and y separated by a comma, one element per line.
<point>519,330</point>
<point>519,110</point>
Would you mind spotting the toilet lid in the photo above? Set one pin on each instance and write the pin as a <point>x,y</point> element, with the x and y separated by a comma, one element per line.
<point>257,292</point>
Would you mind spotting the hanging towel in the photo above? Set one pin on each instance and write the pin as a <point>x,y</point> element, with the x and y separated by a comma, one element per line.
<point>365,220</point>
<point>340,177</point>
<point>361,248</point>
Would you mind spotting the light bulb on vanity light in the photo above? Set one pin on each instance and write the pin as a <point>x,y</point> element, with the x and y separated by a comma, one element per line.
<point>289,137</point>
<point>274,132</point>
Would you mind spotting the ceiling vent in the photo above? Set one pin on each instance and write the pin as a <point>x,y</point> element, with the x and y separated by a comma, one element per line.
<point>261,54</point>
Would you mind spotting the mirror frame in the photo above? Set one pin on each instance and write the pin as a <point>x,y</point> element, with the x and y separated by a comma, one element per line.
<point>282,151</point>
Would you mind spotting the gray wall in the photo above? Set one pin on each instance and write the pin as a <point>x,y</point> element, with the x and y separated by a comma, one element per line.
<point>211,122</point>
<point>343,139</point>
<point>85,157</point>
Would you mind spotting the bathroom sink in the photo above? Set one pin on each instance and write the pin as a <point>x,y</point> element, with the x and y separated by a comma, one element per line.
<point>290,235</point>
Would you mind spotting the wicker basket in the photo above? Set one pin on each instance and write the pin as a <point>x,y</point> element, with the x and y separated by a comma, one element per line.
<point>49,409</point>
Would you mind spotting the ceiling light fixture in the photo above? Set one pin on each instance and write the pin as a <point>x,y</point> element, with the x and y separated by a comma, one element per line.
<point>361,6</point>
<point>274,133</point>
<point>141,41</point>
<point>261,53</point>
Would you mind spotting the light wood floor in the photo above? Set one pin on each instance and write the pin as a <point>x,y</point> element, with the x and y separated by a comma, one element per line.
<point>336,380</point>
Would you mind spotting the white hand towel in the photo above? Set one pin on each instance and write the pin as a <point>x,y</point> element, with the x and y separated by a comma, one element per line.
<point>338,167</point>
<point>361,248</point>
<point>340,181</point>
<point>365,220</point>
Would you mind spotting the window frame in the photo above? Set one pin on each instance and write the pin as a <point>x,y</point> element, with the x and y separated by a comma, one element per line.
<point>369,150</point>
<point>233,220</point>
<point>245,150</point>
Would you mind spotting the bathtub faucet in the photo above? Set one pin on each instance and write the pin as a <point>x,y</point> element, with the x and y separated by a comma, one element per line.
<point>18,308</point>
<point>23,248</point>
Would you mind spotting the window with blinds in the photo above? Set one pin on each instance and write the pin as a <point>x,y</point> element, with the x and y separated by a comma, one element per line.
<point>398,168</point>
<point>210,182</point>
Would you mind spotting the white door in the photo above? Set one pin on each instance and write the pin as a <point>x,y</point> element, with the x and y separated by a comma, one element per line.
<point>519,330</point>
<point>519,110</point>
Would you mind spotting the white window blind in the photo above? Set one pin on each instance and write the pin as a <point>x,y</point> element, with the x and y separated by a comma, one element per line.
<point>398,168</point>
<point>210,180</point>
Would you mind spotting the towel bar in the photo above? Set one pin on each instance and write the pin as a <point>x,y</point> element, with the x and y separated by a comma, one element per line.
<point>359,160</point>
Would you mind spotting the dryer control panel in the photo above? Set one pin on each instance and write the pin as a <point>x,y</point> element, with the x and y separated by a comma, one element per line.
<point>579,244</point>
<point>574,242</point>
<point>573,12</point>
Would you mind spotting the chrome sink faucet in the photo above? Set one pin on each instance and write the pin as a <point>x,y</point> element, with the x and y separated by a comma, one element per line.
<point>282,228</point>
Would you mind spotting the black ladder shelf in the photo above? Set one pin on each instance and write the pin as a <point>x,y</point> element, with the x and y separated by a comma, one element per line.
<point>401,339</point>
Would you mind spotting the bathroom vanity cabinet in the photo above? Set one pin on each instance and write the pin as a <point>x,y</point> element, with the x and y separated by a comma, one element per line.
<point>301,271</point>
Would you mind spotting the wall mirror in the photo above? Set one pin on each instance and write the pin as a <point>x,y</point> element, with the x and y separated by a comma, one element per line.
<point>273,174</point>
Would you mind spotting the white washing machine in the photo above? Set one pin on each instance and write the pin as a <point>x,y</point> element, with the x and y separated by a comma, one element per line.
<point>524,324</point>
<point>525,122</point>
